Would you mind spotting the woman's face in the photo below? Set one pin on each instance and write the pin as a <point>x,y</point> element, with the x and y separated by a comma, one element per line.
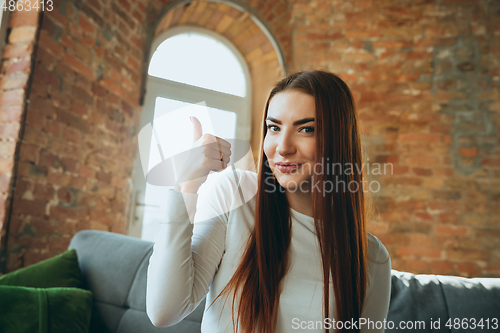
<point>291,138</point>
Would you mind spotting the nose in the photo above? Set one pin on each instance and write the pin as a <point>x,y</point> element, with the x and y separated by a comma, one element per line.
<point>285,145</point>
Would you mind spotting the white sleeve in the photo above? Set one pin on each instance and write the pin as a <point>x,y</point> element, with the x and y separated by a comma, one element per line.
<point>186,256</point>
<point>377,300</point>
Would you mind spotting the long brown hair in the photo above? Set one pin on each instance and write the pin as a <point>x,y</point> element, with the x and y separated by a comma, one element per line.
<point>339,216</point>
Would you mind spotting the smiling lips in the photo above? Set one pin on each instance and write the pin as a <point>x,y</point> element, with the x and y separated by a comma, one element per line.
<point>287,167</point>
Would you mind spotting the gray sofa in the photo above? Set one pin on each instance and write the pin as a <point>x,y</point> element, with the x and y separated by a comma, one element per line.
<point>115,267</point>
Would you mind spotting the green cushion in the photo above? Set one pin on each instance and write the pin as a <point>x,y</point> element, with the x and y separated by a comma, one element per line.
<point>40,310</point>
<point>59,271</point>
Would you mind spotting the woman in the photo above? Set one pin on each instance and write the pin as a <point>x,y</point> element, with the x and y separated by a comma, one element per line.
<point>271,255</point>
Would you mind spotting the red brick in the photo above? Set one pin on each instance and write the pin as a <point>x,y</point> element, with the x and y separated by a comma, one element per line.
<point>446,195</point>
<point>489,161</point>
<point>72,121</point>
<point>29,207</point>
<point>17,50</point>
<point>424,216</point>
<point>42,226</point>
<point>49,160</point>
<point>71,134</point>
<point>35,119</point>
<point>70,164</point>
<point>469,269</point>
<point>64,195</point>
<point>43,192</point>
<point>77,182</point>
<point>423,160</point>
<point>411,181</point>
<point>422,172</point>
<point>59,18</point>
<point>24,18</point>
<point>76,213</point>
<point>406,251</point>
<point>467,151</point>
<point>53,128</point>
<point>30,258</point>
<point>110,85</point>
<point>86,171</point>
<point>22,35</point>
<point>58,178</point>
<point>103,217</point>
<point>441,267</point>
<point>76,64</point>
<point>467,255</point>
<point>18,81</point>
<point>67,42</point>
<point>17,67</point>
<point>421,240</point>
<point>55,48</point>
<point>103,177</point>
<point>9,130</point>
<point>79,108</point>
<point>4,183</point>
<point>12,98</point>
<point>86,25</point>
<point>7,148</point>
<point>66,228</point>
<point>450,218</point>
<point>132,63</point>
<point>98,90</point>
<point>386,159</point>
<point>445,206</point>
<point>417,266</point>
<point>29,152</point>
<point>450,230</point>
<point>32,135</point>
<point>59,244</point>
<point>400,170</point>
<point>420,137</point>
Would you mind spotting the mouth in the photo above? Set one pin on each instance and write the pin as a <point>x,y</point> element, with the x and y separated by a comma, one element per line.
<point>287,167</point>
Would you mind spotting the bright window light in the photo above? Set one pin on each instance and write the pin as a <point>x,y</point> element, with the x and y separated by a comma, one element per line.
<point>199,60</point>
<point>174,132</point>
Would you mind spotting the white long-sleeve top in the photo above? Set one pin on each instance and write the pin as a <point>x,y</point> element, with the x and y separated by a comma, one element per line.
<point>191,261</point>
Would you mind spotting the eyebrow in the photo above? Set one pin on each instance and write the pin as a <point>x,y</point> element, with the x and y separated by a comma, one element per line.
<point>298,122</point>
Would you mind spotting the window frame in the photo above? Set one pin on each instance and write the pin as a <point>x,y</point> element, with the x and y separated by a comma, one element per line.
<point>159,87</point>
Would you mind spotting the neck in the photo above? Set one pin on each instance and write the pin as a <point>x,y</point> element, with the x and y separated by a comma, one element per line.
<point>300,201</point>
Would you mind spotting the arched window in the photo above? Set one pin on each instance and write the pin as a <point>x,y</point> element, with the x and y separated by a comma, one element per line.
<point>188,66</point>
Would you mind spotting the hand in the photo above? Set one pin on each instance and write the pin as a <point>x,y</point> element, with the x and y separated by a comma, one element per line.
<point>204,156</point>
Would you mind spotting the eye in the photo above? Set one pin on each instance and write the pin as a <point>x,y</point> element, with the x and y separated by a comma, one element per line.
<point>309,129</point>
<point>269,127</point>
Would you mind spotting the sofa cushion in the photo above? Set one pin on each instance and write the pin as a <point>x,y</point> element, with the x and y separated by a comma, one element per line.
<point>43,310</point>
<point>477,298</point>
<point>59,271</point>
<point>62,270</point>
<point>415,298</point>
<point>114,267</point>
<point>422,298</point>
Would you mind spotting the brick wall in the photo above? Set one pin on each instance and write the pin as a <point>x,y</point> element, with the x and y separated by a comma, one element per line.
<point>426,78</point>
<point>17,65</point>
<point>79,143</point>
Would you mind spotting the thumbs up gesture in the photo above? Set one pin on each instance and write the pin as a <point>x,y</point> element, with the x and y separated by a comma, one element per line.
<point>208,153</point>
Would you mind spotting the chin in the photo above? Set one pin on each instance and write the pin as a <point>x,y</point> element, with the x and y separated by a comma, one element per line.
<point>292,182</point>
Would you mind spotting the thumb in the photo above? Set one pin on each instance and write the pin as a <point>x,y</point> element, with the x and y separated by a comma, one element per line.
<point>197,129</point>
